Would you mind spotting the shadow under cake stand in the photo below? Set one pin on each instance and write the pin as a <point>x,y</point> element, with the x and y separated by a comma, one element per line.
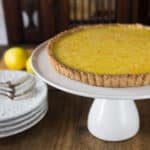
<point>113,115</point>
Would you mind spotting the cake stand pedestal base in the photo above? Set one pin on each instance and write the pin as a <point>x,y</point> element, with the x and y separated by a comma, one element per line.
<point>113,120</point>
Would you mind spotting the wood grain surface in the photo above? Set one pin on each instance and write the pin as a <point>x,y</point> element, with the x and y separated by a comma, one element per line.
<point>65,128</point>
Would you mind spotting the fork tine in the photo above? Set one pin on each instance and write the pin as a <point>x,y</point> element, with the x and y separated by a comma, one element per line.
<point>24,96</point>
<point>25,88</point>
<point>26,82</point>
<point>20,80</point>
<point>6,89</point>
<point>6,94</point>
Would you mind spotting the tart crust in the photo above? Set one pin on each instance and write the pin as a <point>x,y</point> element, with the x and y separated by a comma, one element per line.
<point>104,80</point>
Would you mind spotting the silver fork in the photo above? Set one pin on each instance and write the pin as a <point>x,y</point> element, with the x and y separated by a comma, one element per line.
<point>15,82</point>
<point>17,89</point>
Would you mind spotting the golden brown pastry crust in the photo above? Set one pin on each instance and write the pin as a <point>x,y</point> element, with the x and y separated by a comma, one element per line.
<point>105,80</point>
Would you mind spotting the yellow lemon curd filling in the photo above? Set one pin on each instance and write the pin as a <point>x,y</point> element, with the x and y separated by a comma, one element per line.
<point>106,50</point>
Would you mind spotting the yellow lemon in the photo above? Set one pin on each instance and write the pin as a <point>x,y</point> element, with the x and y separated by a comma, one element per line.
<point>28,66</point>
<point>15,58</point>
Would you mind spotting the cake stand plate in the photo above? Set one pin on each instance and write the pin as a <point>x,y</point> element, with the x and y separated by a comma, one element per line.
<point>113,115</point>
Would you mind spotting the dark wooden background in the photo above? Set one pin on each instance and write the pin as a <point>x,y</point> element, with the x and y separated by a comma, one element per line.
<point>47,17</point>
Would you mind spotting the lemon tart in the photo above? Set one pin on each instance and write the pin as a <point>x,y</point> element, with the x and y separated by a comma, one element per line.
<point>113,55</point>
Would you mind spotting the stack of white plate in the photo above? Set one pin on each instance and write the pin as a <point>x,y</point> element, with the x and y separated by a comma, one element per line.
<point>19,115</point>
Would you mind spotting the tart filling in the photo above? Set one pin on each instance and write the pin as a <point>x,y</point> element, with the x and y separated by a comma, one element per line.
<point>110,53</point>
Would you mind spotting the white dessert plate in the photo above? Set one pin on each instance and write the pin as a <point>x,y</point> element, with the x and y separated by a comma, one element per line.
<point>24,127</point>
<point>24,122</point>
<point>12,109</point>
<point>23,118</point>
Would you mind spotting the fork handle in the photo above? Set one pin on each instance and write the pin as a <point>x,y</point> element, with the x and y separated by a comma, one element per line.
<point>4,84</point>
<point>8,95</point>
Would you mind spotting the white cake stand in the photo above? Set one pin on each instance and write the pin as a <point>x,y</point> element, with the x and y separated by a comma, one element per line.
<point>113,115</point>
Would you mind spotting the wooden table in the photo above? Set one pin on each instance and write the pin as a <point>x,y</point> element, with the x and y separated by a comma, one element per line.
<point>65,128</point>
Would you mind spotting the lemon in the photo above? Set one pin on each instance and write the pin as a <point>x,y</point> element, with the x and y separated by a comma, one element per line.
<point>15,58</point>
<point>28,66</point>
